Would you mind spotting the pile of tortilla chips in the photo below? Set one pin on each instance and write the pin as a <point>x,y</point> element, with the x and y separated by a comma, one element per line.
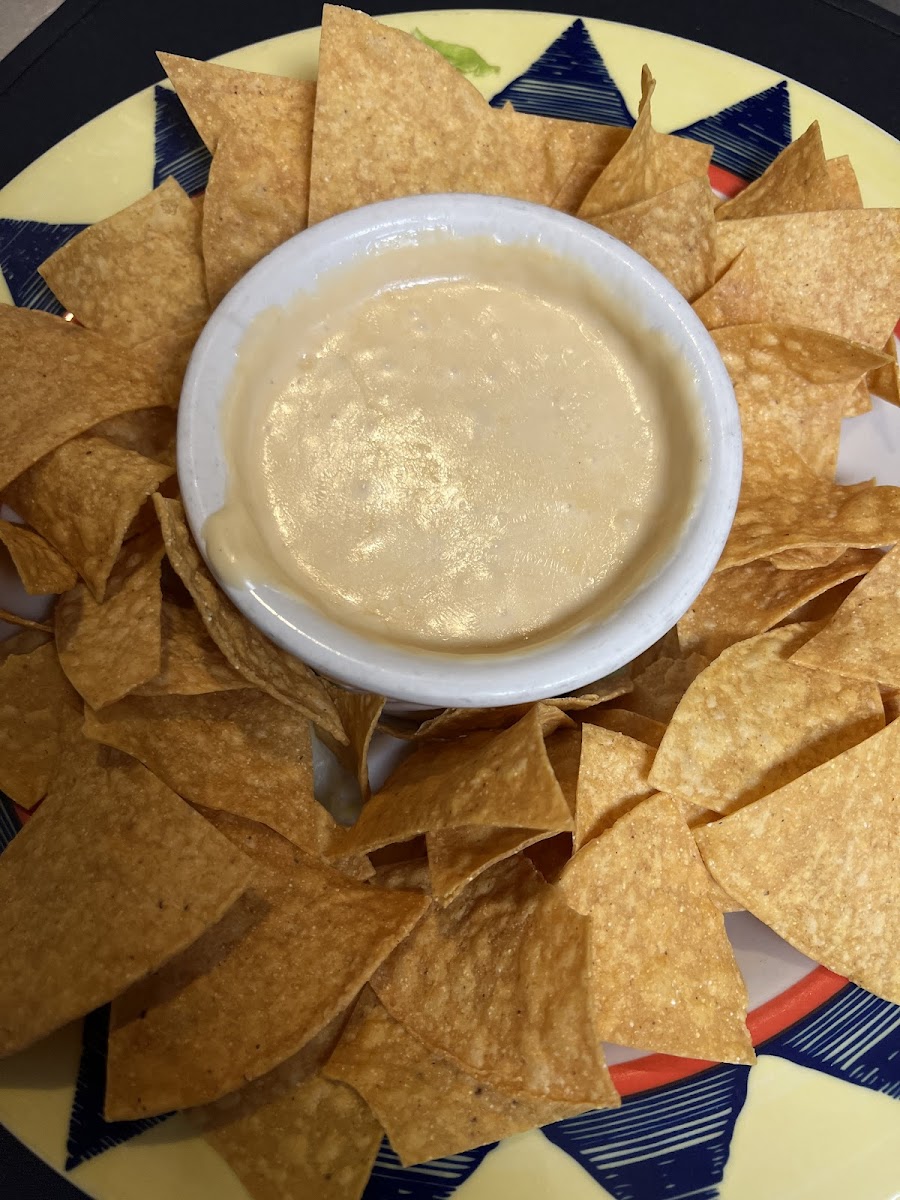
<point>529,882</point>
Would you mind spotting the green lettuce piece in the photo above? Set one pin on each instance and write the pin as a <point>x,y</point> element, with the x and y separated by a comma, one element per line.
<point>464,58</point>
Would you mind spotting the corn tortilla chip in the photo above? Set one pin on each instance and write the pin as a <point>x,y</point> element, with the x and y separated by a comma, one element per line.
<point>675,231</point>
<point>83,498</point>
<point>457,856</point>
<point>663,971</point>
<point>753,721</point>
<point>293,1135</point>
<point>409,876</point>
<point>40,568</point>
<point>885,381</point>
<point>191,664</point>
<point>748,600</point>
<point>283,962</point>
<point>844,185</point>
<point>238,751</point>
<point>271,849</point>
<point>798,180</point>
<point>137,273</point>
<point>35,700</point>
<point>549,856</point>
<point>498,779</point>
<point>95,914</point>
<point>258,191</point>
<point>166,357</point>
<point>837,271</point>
<point>564,751</point>
<point>806,558</point>
<point>613,778</point>
<point>861,641</point>
<point>394,118</point>
<point>472,981</point>
<point>22,642</point>
<point>59,380</point>
<point>25,622</point>
<point>890,698</point>
<point>659,687</point>
<point>647,164</point>
<point>827,885</point>
<point>736,298</point>
<point>359,714</point>
<point>633,725</point>
<point>429,1106</point>
<point>261,662</point>
<point>149,432</point>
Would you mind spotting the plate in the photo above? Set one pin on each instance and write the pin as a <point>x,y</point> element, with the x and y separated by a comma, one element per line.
<point>819,1115</point>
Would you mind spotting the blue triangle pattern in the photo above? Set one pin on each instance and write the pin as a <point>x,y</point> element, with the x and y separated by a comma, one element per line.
<point>23,247</point>
<point>672,1142</point>
<point>569,80</point>
<point>855,1036</point>
<point>89,1133</point>
<point>9,822</point>
<point>178,147</point>
<point>436,1180</point>
<point>748,135</point>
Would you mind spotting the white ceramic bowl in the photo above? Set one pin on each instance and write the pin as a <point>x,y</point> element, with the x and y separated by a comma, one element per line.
<point>419,676</point>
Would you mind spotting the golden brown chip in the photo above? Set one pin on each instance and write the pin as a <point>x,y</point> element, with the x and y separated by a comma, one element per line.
<point>429,1106</point>
<point>498,779</point>
<point>108,649</point>
<point>40,568</point>
<point>57,381</point>
<point>675,231</point>
<point>791,386</point>
<point>239,751</point>
<point>564,751</point>
<point>293,1135</point>
<point>647,164</point>
<point>805,558</point>
<point>613,778</point>
<point>890,698</point>
<point>748,600</point>
<point>83,498</point>
<point>258,191</point>
<point>261,662</point>
<point>837,271</point>
<point>136,274</point>
<point>844,185</point>
<point>663,971</point>
<point>35,701</point>
<point>457,856</point>
<point>166,357</point>
<point>860,401</point>
<point>862,640</point>
<point>798,180</point>
<point>826,883</point>
<point>149,432</point>
<point>633,725</point>
<point>22,642</point>
<point>94,913</point>
<point>285,960</point>
<point>659,687</point>
<point>736,298</point>
<point>359,714</point>
<point>394,118</point>
<point>885,381</point>
<point>499,982</point>
<point>753,721</point>
<point>25,622</point>
<point>409,876</point>
<point>191,664</point>
<point>271,849</point>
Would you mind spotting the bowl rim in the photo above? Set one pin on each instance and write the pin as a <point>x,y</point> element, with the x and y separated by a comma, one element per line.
<point>419,676</point>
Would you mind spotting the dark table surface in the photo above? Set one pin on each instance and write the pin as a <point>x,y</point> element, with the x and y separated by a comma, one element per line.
<point>847,49</point>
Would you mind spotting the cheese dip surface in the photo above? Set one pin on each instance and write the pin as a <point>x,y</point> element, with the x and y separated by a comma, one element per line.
<point>458,445</point>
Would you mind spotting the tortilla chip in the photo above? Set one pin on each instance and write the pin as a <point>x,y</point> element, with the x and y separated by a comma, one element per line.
<point>663,972</point>
<point>359,714</point>
<point>549,856</point>
<point>457,856</point>
<point>633,725</point>
<point>258,191</point>
<point>149,432</point>
<point>25,622</point>
<point>429,1106</point>
<point>613,778</point>
<point>564,751</point>
<point>659,688</point>
<point>271,849</point>
<point>22,643</point>
<point>191,663</point>
<point>836,271</point>
<point>286,959</point>
<point>238,751</point>
<point>291,1134</point>
<point>59,380</point>
<point>261,662</point>
<point>648,163</point>
<point>137,273</point>
<point>827,885</point>
<point>748,600</point>
<point>96,915</point>
<point>890,698</point>
<point>861,641</point>
<point>35,700</point>
<point>735,298</point>
<point>885,382</point>
<point>409,876</point>
<point>83,498</point>
<point>844,185</point>
<point>804,511</point>
<point>798,180</point>
<point>753,721</point>
<point>519,1013</point>
<point>675,231</point>
<point>41,569</point>
<point>791,386</point>
<point>166,356</point>
<point>394,118</point>
<point>498,779</point>
<point>806,558</point>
